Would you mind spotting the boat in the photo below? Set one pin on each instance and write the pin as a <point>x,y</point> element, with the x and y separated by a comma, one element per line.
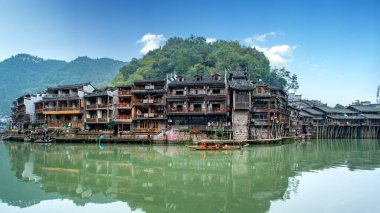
<point>43,141</point>
<point>214,146</point>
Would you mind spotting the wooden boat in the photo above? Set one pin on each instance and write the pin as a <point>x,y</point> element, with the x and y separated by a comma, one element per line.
<point>43,141</point>
<point>214,146</point>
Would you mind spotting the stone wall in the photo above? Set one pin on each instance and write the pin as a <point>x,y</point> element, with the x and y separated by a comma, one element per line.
<point>240,121</point>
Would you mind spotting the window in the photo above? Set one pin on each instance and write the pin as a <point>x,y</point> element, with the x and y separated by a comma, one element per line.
<point>216,77</point>
<point>179,92</point>
<point>216,91</point>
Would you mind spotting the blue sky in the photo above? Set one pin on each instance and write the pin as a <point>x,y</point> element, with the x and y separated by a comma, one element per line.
<point>333,46</point>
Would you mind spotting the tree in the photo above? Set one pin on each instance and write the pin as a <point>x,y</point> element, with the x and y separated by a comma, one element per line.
<point>339,106</point>
<point>190,56</point>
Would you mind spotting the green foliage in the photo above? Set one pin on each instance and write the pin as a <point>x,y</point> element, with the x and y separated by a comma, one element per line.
<point>24,73</point>
<point>339,106</point>
<point>194,56</point>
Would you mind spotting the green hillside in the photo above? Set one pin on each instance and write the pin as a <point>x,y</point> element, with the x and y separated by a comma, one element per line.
<point>194,55</point>
<point>24,73</point>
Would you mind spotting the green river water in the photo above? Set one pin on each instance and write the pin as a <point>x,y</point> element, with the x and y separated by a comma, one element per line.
<point>310,176</point>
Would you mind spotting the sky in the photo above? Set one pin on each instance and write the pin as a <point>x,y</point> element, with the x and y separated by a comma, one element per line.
<point>333,46</point>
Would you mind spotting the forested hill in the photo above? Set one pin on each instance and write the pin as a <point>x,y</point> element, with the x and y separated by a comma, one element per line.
<point>24,73</point>
<point>194,55</point>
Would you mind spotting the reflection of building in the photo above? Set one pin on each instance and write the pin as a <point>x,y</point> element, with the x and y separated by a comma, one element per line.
<point>163,178</point>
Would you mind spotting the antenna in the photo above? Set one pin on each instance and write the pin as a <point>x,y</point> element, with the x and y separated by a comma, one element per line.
<point>378,94</point>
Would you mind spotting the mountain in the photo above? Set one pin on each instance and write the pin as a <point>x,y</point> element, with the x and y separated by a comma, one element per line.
<point>24,73</point>
<point>193,55</point>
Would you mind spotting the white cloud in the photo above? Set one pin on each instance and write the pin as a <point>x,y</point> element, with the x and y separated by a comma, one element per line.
<point>259,37</point>
<point>150,42</point>
<point>278,55</point>
<point>210,40</point>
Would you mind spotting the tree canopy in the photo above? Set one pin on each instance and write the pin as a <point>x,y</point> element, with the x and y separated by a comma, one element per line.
<point>193,55</point>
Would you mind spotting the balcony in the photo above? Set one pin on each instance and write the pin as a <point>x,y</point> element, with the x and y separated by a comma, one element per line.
<point>91,106</point>
<point>99,106</point>
<point>39,110</point>
<point>146,130</point>
<point>103,120</point>
<point>197,110</point>
<point>62,110</point>
<point>124,105</point>
<point>151,115</point>
<point>72,124</point>
<point>124,93</point>
<point>148,89</point>
<point>157,101</point>
<point>124,118</point>
<point>104,106</point>
<point>91,120</point>
<point>217,110</point>
<point>63,95</point>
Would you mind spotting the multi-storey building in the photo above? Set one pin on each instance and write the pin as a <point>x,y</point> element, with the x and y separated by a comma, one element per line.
<point>23,111</point>
<point>240,92</point>
<point>269,111</point>
<point>99,109</point>
<point>149,106</point>
<point>123,119</point>
<point>64,105</point>
<point>197,100</point>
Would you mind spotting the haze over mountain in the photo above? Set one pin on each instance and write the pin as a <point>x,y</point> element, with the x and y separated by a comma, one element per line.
<point>23,73</point>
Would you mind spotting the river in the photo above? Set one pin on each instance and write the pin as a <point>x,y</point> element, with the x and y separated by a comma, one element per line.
<point>310,176</point>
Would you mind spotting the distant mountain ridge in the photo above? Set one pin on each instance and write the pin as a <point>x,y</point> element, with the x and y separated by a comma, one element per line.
<point>24,73</point>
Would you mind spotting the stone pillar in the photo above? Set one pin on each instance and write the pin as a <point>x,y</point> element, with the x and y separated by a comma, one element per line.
<point>240,124</point>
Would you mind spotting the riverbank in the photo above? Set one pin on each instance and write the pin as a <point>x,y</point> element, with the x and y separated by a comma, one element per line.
<point>107,137</point>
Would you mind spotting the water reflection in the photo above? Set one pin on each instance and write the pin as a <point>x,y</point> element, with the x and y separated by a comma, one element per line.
<point>172,178</point>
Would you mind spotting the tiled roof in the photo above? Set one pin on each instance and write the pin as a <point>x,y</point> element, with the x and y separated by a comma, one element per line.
<point>206,79</point>
<point>305,114</point>
<point>69,86</point>
<point>371,116</point>
<point>312,111</point>
<point>333,110</point>
<point>342,117</point>
<point>375,108</point>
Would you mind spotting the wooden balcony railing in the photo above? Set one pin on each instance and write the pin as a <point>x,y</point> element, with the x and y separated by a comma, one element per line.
<point>146,130</point>
<point>93,120</point>
<point>126,92</point>
<point>217,109</point>
<point>149,101</point>
<point>124,117</point>
<point>124,104</point>
<point>104,106</point>
<point>151,115</point>
<point>197,110</point>
<point>102,119</point>
<point>91,106</point>
<point>72,124</point>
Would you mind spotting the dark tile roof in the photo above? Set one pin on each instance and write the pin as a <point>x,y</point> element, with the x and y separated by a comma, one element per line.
<point>342,117</point>
<point>206,79</point>
<point>312,111</point>
<point>371,116</point>
<point>375,108</point>
<point>305,114</point>
<point>326,109</point>
<point>241,84</point>
<point>69,86</point>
